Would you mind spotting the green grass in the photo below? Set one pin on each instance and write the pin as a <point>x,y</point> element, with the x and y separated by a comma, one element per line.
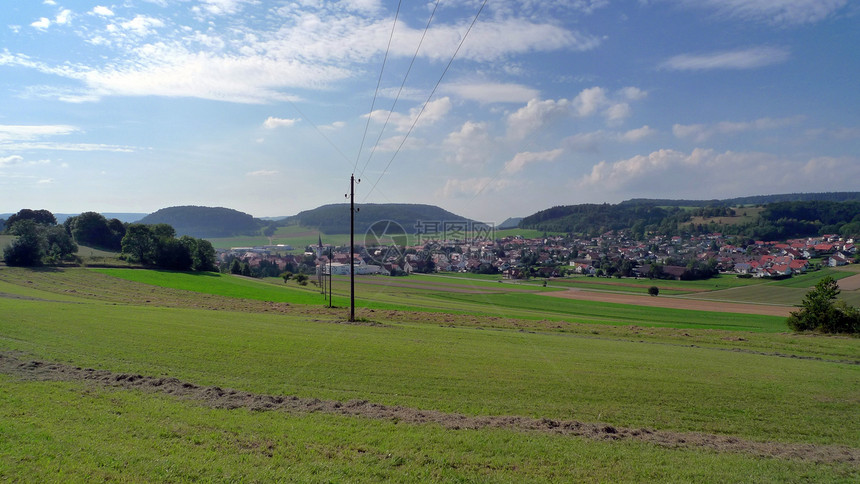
<point>60,431</point>
<point>623,376</point>
<point>464,370</point>
<point>509,304</point>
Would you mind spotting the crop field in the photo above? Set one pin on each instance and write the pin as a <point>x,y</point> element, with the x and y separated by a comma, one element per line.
<point>147,376</point>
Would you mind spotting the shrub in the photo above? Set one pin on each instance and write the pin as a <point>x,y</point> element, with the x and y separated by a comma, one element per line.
<point>821,312</point>
<point>653,291</point>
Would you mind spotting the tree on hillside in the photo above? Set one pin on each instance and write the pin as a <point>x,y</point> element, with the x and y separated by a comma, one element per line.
<point>42,217</point>
<point>28,249</point>
<point>37,244</point>
<point>139,244</point>
<point>821,312</point>
<point>94,230</point>
<point>202,253</point>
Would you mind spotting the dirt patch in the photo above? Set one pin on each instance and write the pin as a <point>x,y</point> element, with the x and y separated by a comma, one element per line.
<point>851,283</point>
<point>673,303</point>
<point>217,397</point>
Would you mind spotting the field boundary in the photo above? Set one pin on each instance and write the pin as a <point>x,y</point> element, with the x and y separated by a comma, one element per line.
<point>217,397</point>
<point>670,302</point>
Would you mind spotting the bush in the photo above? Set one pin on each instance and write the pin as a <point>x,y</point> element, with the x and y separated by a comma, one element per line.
<point>821,312</point>
<point>653,291</point>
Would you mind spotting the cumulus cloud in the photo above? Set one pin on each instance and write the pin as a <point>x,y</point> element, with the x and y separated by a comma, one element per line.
<point>589,102</point>
<point>702,132</point>
<point>431,113</point>
<point>103,11</point>
<point>41,24</point>
<point>737,59</point>
<point>685,173</point>
<point>472,145</point>
<point>272,122</point>
<point>534,115</point>
<point>520,160</point>
<point>142,25</point>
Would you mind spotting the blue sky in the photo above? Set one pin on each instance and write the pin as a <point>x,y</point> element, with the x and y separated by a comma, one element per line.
<point>265,106</point>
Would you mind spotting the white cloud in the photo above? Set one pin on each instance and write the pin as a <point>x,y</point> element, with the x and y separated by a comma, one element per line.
<point>736,59</point>
<point>10,160</point>
<point>490,92</point>
<point>103,11</point>
<point>706,173</point>
<point>26,133</point>
<point>63,17</point>
<point>432,112</point>
<point>41,24</point>
<point>262,173</point>
<point>777,12</point>
<point>492,39</point>
<point>472,145</point>
<point>520,160</point>
<point>273,122</point>
<point>222,7</point>
<point>535,115</point>
<point>637,134</point>
<point>617,113</point>
<point>633,93</point>
<point>590,100</point>
<point>142,25</point>
<point>702,132</point>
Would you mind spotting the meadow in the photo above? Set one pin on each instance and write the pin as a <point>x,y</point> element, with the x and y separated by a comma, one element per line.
<point>788,403</point>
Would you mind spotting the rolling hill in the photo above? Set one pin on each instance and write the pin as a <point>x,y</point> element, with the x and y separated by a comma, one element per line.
<point>334,218</point>
<point>205,222</point>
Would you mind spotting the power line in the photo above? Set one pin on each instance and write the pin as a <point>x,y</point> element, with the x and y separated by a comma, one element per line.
<point>403,141</point>
<point>376,92</point>
<point>399,91</point>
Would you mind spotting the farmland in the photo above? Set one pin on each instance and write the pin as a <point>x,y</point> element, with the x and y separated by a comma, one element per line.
<point>442,378</point>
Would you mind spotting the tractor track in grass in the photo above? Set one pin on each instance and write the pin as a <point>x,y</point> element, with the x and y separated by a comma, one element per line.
<point>221,398</point>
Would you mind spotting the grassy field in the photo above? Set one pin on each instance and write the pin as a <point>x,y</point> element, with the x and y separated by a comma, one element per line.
<point>731,383</point>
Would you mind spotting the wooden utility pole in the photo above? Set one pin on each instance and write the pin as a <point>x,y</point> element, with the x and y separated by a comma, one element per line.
<point>352,248</point>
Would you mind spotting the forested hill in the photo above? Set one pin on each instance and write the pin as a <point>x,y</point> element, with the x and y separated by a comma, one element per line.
<point>752,200</point>
<point>204,222</point>
<point>772,221</point>
<point>334,218</point>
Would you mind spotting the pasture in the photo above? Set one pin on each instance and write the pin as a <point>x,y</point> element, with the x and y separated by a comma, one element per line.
<point>497,383</point>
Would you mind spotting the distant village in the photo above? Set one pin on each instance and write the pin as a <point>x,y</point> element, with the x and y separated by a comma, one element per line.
<point>515,257</point>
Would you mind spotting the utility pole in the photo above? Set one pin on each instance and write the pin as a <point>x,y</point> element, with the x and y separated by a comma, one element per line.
<point>352,210</point>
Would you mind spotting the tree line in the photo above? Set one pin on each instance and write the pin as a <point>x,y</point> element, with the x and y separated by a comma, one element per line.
<point>40,241</point>
<point>778,221</point>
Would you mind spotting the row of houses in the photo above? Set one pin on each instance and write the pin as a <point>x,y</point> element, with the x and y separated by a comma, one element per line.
<point>552,256</point>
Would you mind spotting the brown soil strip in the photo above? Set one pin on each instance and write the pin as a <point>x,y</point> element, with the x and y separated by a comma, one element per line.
<point>673,303</point>
<point>851,283</point>
<point>217,397</point>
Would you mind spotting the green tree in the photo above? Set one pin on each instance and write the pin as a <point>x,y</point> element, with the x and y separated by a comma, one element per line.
<point>821,312</point>
<point>29,248</point>
<point>58,244</point>
<point>173,254</point>
<point>301,278</point>
<point>42,217</point>
<point>287,275</point>
<point>139,244</point>
<point>202,253</point>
